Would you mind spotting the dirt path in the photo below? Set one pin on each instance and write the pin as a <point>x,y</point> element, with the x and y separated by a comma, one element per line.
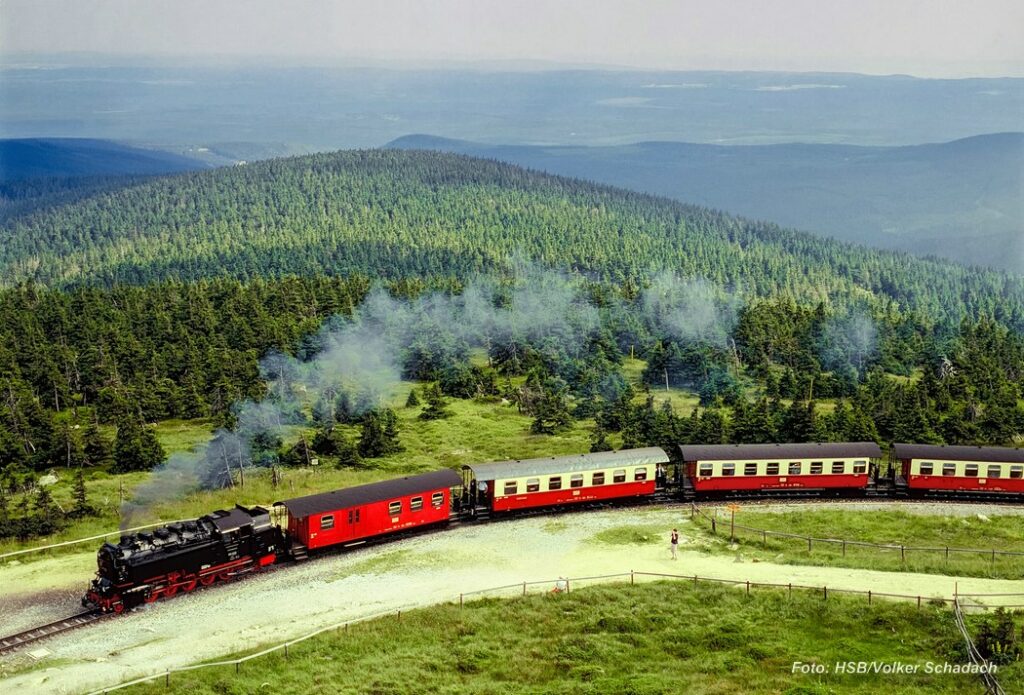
<point>292,601</point>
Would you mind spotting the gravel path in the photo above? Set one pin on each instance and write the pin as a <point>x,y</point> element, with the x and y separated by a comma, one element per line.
<point>291,601</point>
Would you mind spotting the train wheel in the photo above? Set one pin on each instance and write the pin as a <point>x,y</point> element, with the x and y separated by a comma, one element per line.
<point>190,585</point>
<point>153,596</point>
<point>171,590</point>
<point>224,576</point>
<point>118,607</point>
<point>208,579</point>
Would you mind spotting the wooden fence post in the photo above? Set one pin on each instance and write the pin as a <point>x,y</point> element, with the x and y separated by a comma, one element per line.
<point>844,547</point>
<point>824,589</point>
<point>869,597</point>
<point>167,679</point>
<point>524,588</point>
<point>631,579</point>
<point>903,553</point>
<point>460,600</point>
<point>809,541</point>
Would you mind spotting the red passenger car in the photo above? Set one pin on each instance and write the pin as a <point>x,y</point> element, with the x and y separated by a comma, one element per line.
<point>974,469</point>
<point>511,485</point>
<point>780,468</point>
<point>353,515</point>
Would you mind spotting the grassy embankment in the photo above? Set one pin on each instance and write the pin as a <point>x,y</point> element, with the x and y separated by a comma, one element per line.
<point>653,638</point>
<point>475,432</point>
<point>1000,532</point>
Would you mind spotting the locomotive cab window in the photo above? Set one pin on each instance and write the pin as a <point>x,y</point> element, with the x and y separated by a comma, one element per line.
<point>415,504</point>
<point>1017,471</point>
<point>576,480</point>
<point>817,467</point>
<point>619,476</point>
<point>706,470</point>
<point>971,470</point>
<point>750,469</point>
<point>838,467</point>
<point>533,484</point>
<point>926,468</point>
<point>640,474</point>
<point>948,469</point>
<point>597,479</point>
<point>994,471</point>
<point>728,469</point>
<point>860,467</point>
<point>326,522</point>
<point>511,487</point>
<point>772,468</point>
<point>395,508</point>
<point>795,467</point>
<point>555,483</point>
<point>437,500</point>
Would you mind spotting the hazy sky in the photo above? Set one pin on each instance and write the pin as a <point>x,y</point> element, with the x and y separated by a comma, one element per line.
<point>935,38</point>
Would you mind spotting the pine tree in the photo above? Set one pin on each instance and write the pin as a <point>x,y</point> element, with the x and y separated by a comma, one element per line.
<point>379,434</point>
<point>82,506</point>
<point>97,449</point>
<point>436,403</point>
<point>599,440</point>
<point>413,400</point>
<point>551,412</point>
<point>348,452</point>
<point>136,448</point>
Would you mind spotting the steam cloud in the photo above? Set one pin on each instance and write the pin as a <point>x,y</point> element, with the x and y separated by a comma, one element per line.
<point>363,355</point>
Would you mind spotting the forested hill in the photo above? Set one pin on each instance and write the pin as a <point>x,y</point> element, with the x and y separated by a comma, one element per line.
<point>411,213</point>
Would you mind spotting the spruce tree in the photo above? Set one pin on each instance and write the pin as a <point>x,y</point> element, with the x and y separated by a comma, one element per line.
<point>413,400</point>
<point>97,449</point>
<point>82,506</point>
<point>599,440</point>
<point>136,448</point>
<point>436,403</point>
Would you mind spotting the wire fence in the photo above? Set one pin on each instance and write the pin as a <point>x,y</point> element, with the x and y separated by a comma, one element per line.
<point>566,585</point>
<point>985,670</point>
<point>1014,560</point>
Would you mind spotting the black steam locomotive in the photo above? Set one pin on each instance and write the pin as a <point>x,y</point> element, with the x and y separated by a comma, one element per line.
<point>144,567</point>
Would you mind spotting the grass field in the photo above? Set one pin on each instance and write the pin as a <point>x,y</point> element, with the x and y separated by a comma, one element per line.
<point>475,432</point>
<point>1003,533</point>
<point>663,637</point>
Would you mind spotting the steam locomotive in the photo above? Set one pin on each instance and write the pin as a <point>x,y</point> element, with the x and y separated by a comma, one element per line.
<point>145,567</point>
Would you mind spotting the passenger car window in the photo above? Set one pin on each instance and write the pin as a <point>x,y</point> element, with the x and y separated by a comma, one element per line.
<point>511,487</point>
<point>326,522</point>
<point>532,484</point>
<point>555,483</point>
<point>750,469</point>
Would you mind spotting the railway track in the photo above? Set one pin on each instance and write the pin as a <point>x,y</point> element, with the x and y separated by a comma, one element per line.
<point>16,641</point>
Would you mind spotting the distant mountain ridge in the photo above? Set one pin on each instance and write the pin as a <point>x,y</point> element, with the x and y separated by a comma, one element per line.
<point>962,200</point>
<point>34,158</point>
<point>397,214</point>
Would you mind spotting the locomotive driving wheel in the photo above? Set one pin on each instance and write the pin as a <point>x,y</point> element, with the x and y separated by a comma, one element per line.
<point>190,584</point>
<point>208,579</point>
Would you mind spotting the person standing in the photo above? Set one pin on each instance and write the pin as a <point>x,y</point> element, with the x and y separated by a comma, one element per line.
<point>674,546</point>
